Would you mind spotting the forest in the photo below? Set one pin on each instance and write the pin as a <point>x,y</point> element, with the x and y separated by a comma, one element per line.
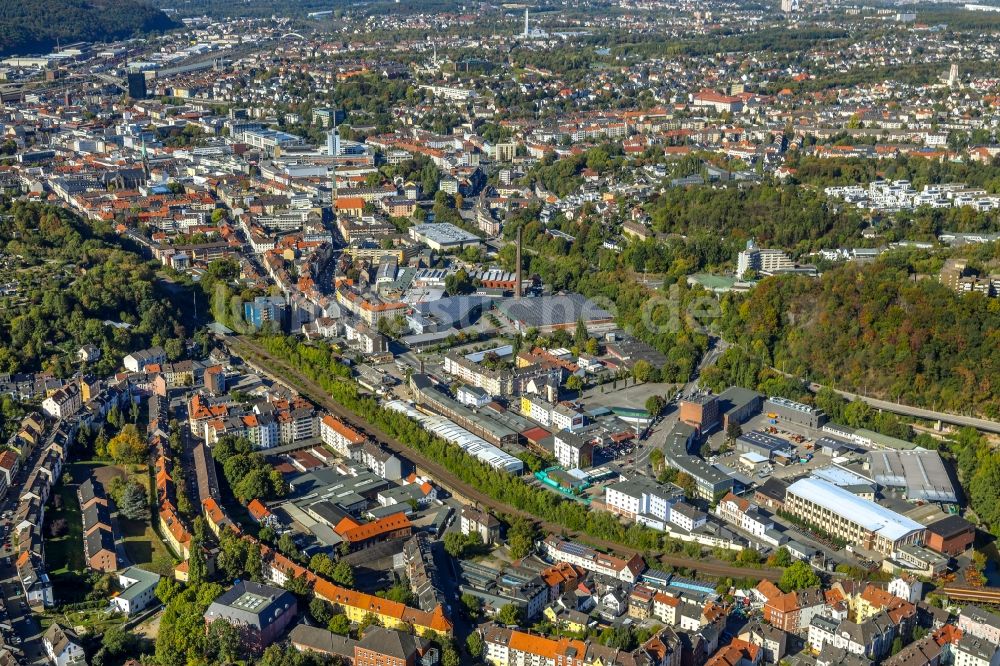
<point>878,330</point>
<point>64,281</point>
<point>34,26</point>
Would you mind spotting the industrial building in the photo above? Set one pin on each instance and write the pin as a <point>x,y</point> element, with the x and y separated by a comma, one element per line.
<point>921,473</point>
<point>795,412</point>
<point>551,313</point>
<point>711,482</point>
<point>765,445</point>
<point>847,516</point>
<point>700,411</point>
<point>736,405</point>
<point>443,236</point>
<point>475,446</point>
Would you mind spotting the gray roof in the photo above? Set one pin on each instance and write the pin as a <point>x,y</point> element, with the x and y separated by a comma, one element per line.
<point>322,640</point>
<point>543,311</point>
<point>252,604</point>
<point>392,643</point>
<point>143,581</point>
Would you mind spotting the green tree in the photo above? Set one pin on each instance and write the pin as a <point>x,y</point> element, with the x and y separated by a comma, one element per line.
<point>321,611</point>
<point>339,624</point>
<point>510,614</point>
<point>798,576</point>
<point>521,537</point>
<point>642,371</point>
<point>474,645</point>
<point>342,574</point>
<point>127,447</point>
<point>132,501</point>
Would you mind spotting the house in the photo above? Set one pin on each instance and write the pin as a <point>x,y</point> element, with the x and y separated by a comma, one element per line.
<point>305,638</point>
<point>138,590</point>
<point>10,464</point>
<point>974,651</point>
<point>573,451</point>
<point>63,403</point>
<point>63,647</point>
<point>90,493</point>
<point>389,647</point>
<point>137,361</point>
<point>100,551</point>
<point>88,354</point>
<point>261,514</point>
<point>980,623</point>
<point>259,612</point>
<point>773,640</point>
<point>473,396</point>
<point>473,519</point>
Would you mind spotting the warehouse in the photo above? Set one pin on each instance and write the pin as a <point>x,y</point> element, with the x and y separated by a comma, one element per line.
<point>711,482</point>
<point>764,444</point>
<point>920,472</point>
<point>795,412</point>
<point>443,236</point>
<point>551,313</point>
<point>738,404</point>
<point>848,517</point>
<point>474,446</point>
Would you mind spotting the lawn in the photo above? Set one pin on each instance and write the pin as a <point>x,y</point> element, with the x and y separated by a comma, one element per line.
<point>144,547</point>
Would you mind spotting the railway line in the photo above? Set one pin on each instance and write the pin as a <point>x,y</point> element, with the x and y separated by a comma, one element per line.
<point>280,371</point>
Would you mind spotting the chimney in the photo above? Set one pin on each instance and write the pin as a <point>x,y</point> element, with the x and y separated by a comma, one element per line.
<point>517,276</point>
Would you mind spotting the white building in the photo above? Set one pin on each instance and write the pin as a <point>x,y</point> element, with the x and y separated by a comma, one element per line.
<point>973,651</point>
<point>62,647</point>
<point>643,500</point>
<point>762,260</point>
<point>339,436</point>
<point>573,451</point>
<point>63,403</point>
<point>138,590</point>
<point>558,550</point>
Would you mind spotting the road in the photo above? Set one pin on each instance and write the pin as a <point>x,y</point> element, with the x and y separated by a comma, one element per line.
<point>282,372</point>
<point>918,412</point>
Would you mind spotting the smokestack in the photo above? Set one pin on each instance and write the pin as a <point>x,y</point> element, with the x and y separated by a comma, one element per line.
<point>517,278</point>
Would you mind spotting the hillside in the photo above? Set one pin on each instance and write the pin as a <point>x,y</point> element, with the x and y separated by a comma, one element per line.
<point>875,329</point>
<point>34,26</point>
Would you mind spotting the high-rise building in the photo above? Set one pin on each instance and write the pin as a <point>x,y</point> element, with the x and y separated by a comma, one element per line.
<point>137,85</point>
<point>762,261</point>
<point>789,6</point>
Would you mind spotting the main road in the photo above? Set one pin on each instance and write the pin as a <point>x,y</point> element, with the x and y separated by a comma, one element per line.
<point>280,371</point>
<point>918,412</point>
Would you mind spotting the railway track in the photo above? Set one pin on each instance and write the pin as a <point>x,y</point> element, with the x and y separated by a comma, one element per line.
<point>282,372</point>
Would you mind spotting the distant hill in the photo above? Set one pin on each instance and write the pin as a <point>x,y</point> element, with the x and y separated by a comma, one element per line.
<point>34,26</point>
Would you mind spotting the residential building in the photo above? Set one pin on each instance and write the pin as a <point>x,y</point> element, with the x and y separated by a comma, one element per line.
<point>389,647</point>
<point>62,646</point>
<point>980,623</point>
<point>259,612</point>
<point>137,361</point>
<point>473,519</point>
<point>573,451</point>
<point>974,651</point>
<point>63,403</point>
<point>138,590</point>
<point>558,550</point>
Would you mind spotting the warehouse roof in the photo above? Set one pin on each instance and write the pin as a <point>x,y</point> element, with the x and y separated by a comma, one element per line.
<point>869,515</point>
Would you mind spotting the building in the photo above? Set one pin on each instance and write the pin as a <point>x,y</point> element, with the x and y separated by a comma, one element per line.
<point>710,482</point>
<point>511,647</point>
<point>980,623</point>
<point>137,361</point>
<point>847,516</point>
<point>974,651</point>
<point>559,550</point>
<point>265,309</point>
<point>339,436</point>
<point>63,403</point>
<point>473,519</point>
<point>388,647</point>
<point>766,262</point>
<point>738,404</point>
<point>138,590</point>
<point>573,451</point>
<point>305,638</point>
<point>548,314</point>
<point>952,535</point>
<point>443,236</point>
<point>721,103</point>
<point>795,412</point>
<point>642,500</point>
<point>920,473</point>
<point>701,411</point>
<point>260,612</point>
<point>62,647</point>
<point>137,85</point>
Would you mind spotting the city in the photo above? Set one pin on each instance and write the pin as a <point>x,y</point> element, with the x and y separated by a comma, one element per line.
<point>440,333</point>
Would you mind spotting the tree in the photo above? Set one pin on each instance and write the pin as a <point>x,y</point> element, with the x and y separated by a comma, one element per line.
<point>449,655</point>
<point>197,565</point>
<point>781,558</point>
<point>474,645</point>
<point>509,614</point>
<point>798,576</point>
<point>118,641</point>
<point>687,483</point>
<point>343,574</point>
<point>339,624</point>
<point>473,605</point>
<point>733,430</point>
<point>58,527</point>
<point>642,371</point>
<point>132,501</point>
<point>127,447</point>
<point>167,589</point>
<point>320,610</point>
<point>286,544</point>
<point>574,383</point>
<point>521,537</point>
<point>654,405</point>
